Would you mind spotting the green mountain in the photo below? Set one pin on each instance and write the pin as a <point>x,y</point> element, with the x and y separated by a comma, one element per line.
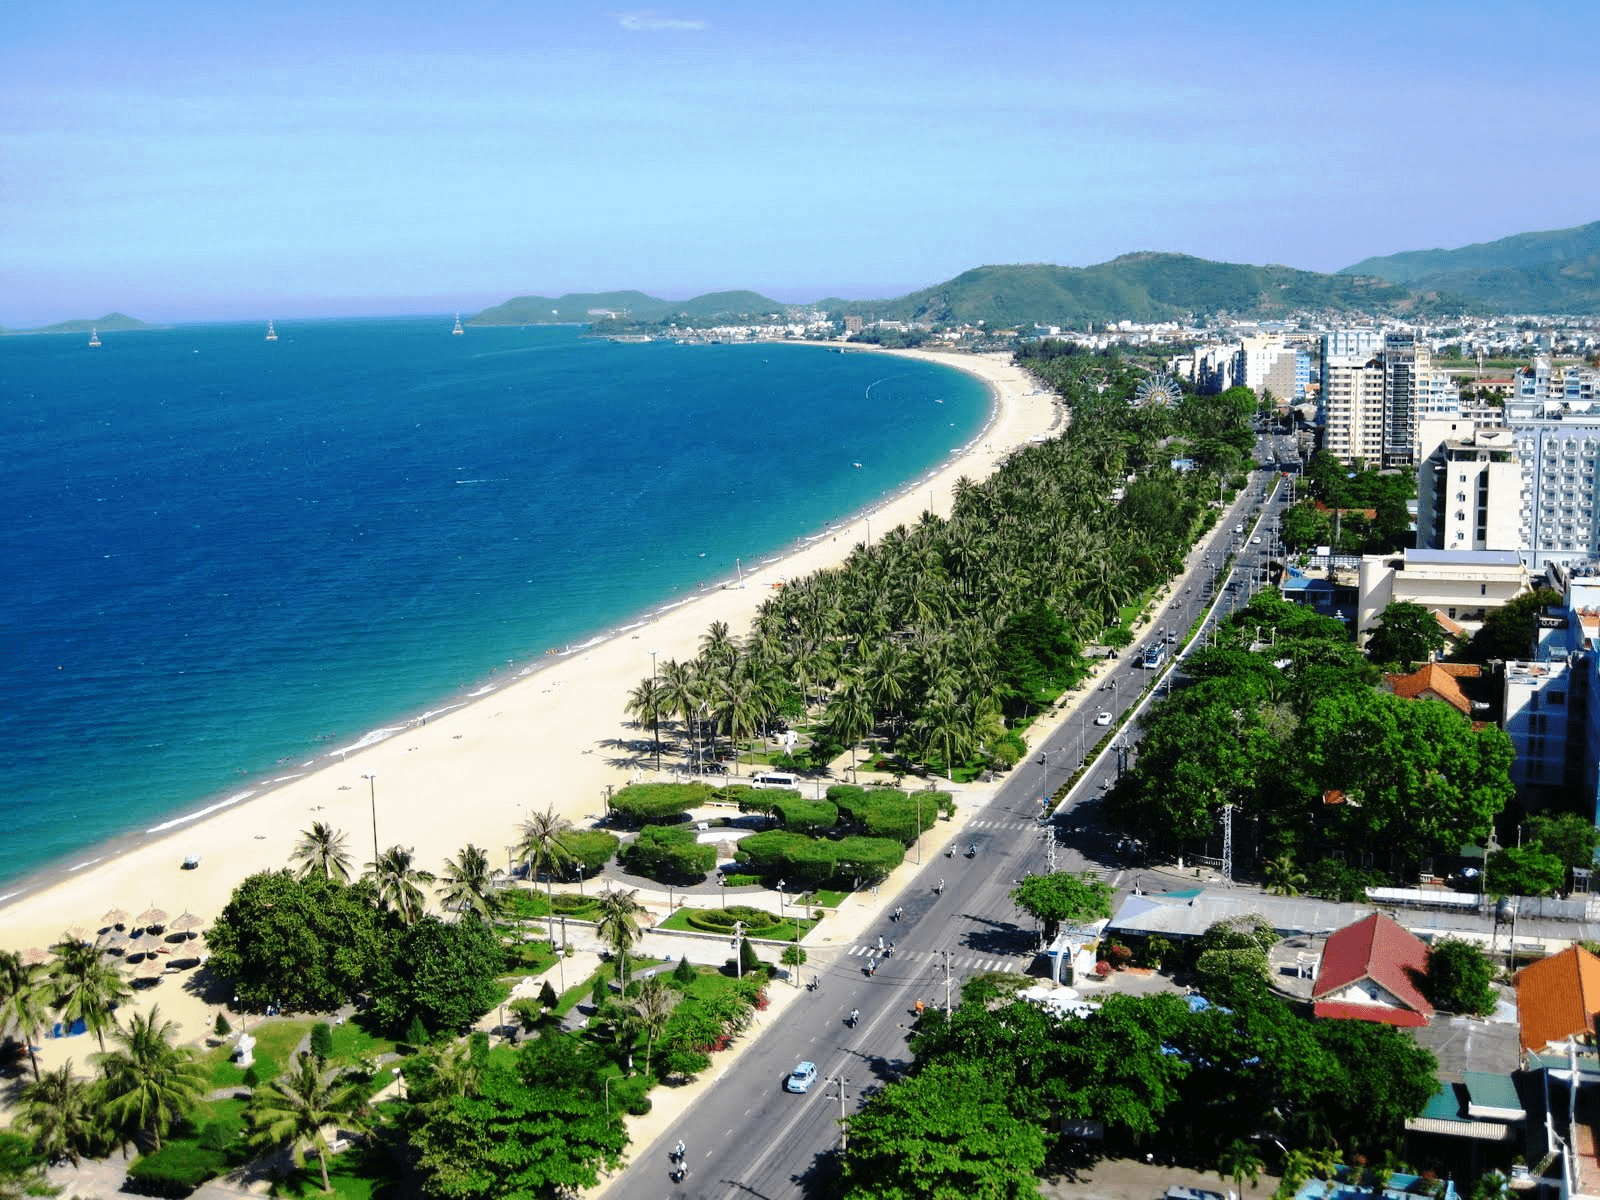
<point>1550,272</point>
<point>110,323</point>
<point>587,306</point>
<point>1133,287</point>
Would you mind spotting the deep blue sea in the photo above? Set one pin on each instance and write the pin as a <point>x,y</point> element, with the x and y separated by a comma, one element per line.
<point>225,556</point>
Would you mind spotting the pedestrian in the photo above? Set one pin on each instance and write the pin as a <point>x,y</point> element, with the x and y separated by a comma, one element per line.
<point>872,966</point>
<point>939,890</point>
<point>880,941</point>
<point>897,913</point>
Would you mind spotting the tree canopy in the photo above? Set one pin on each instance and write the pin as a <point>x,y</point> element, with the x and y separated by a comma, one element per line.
<point>1063,897</point>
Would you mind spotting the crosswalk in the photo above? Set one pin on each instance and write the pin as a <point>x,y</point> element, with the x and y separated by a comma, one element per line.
<point>958,962</point>
<point>992,824</point>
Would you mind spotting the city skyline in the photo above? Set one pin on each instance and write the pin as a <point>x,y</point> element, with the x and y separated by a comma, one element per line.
<point>201,163</point>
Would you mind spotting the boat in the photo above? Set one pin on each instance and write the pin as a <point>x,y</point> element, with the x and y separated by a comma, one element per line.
<point>458,328</point>
<point>272,334</point>
<point>94,337</point>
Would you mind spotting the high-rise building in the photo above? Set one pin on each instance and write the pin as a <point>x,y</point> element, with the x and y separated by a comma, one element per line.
<point>1352,405</point>
<point>1407,376</point>
<point>1374,388</point>
<point>1469,487</point>
<point>1559,450</point>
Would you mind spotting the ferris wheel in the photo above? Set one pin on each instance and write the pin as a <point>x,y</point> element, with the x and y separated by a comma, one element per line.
<point>1159,388</point>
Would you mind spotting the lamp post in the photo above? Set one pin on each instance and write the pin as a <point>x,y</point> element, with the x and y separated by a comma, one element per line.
<point>655,714</point>
<point>782,911</point>
<point>372,795</point>
<point>722,886</point>
<point>580,878</point>
<point>738,958</point>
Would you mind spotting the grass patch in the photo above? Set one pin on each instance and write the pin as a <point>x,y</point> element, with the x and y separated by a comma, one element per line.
<point>275,1043</point>
<point>359,1173</point>
<point>353,1041</point>
<point>826,898</point>
<point>529,958</point>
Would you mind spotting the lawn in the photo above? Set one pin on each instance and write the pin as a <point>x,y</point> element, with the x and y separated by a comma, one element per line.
<point>275,1042</point>
<point>356,1174</point>
<point>352,1042</point>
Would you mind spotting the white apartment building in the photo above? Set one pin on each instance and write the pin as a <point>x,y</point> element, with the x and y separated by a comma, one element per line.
<point>1375,386</point>
<point>1459,584</point>
<point>1407,372</point>
<point>1469,487</point>
<point>1559,449</point>
<point>1352,405</point>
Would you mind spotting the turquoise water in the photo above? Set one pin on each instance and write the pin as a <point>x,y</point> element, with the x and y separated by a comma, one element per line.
<point>226,556</point>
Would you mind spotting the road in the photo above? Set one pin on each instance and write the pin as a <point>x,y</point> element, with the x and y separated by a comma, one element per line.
<point>748,1137</point>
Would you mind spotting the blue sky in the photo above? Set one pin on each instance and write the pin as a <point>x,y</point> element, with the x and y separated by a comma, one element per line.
<point>217,160</point>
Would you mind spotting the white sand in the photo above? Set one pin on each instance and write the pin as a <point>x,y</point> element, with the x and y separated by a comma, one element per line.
<point>474,773</point>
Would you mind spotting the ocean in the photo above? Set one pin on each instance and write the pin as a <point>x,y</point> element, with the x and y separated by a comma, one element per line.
<point>228,557</point>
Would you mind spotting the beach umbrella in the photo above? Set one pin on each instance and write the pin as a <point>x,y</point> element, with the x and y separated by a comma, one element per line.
<point>116,943</point>
<point>79,933</point>
<point>151,916</point>
<point>117,917</point>
<point>33,956</point>
<point>150,968</point>
<point>186,922</point>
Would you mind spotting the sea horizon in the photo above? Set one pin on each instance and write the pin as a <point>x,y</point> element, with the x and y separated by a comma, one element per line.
<point>482,665</point>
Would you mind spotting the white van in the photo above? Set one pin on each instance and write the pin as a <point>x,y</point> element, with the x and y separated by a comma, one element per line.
<point>775,779</point>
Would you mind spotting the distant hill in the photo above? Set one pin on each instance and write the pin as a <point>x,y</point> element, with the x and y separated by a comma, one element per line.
<point>110,323</point>
<point>1134,287</point>
<point>583,306</point>
<point>1557,271</point>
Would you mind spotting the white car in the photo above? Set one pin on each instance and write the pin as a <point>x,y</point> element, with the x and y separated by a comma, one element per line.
<point>1256,541</point>
<point>1103,718</point>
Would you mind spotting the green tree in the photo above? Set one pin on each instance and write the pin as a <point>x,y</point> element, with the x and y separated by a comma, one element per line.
<point>1406,633</point>
<point>539,845</point>
<point>308,944</point>
<point>654,1006</point>
<point>1384,1078</point>
<point>1571,838</point>
<point>440,973</point>
<point>61,1114</point>
<point>21,1169</point>
<point>322,1040</point>
<point>1508,631</point>
<point>1459,978</point>
<point>1524,871</point>
<point>524,1136</point>
<point>947,1131</point>
<point>149,1080</point>
<point>469,883</point>
<point>297,1107</point>
<point>1062,897</point>
<point>321,851</point>
<point>398,882</point>
<point>1239,1161</point>
<point>87,987</point>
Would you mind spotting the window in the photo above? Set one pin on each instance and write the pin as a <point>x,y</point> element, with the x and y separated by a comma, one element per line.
<point>1557,697</point>
<point>1483,589</point>
<point>1452,614</point>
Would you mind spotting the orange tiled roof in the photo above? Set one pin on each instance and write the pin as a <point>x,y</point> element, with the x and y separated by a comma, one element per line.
<point>1558,997</point>
<point>1451,628</point>
<point>1378,949</point>
<point>1437,680</point>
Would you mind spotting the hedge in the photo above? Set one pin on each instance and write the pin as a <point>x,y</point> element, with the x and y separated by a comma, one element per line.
<point>590,848</point>
<point>805,816</point>
<point>889,812</point>
<point>175,1170</point>
<point>811,862</point>
<point>645,802</point>
<point>670,853</point>
<point>722,920</point>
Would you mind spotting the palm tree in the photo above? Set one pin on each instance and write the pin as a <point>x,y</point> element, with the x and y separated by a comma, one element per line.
<point>1240,1161</point>
<point>87,987</point>
<point>396,878</point>
<point>646,703</point>
<point>1281,877</point>
<point>618,923</point>
<point>849,714</point>
<point>25,994</point>
<point>295,1108</point>
<point>321,852</point>
<point>469,883</point>
<point>654,1005</point>
<point>60,1113</point>
<point>150,1081</point>
<point>542,849</point>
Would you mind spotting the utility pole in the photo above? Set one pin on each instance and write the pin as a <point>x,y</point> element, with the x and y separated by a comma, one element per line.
<point>738,959</point>
<point>1227,844</point>
<point>946,954</point>
<point>844,1134</point>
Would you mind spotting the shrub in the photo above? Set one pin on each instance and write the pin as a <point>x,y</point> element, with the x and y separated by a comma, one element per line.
<point>547,995</point>
<point>794,956</point>
<point>638,1106</point>
<point>175,1170</point>
<point>791,856</point>
<point>567,903</point>
<point>322,1040</point>
<point>528,1013</point>
<point>722,920</point>
<point>891,813</point>
<point>591,849</point>
<point>735,879</point>
<point>684,972</point>
<point>748,961</point>
<point>805,816</point>
<point>416,1033</point>
<point>222,1028</point>
<point>670,854</point>
<point>217,1135</point>
<point>600,993</point>
<point>252,1076</point>
<point>523,904</point>
<point>641,803</point>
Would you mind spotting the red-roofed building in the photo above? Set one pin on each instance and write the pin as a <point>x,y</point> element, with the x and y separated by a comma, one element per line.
<point>1558,998</point>
<point>1367,974</point>
<point>1437,681</point>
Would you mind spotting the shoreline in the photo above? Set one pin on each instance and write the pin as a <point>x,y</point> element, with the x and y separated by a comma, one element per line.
<point>549,732</point>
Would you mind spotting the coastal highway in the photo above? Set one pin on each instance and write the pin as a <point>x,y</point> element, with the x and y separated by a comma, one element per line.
<point>748,1137</point>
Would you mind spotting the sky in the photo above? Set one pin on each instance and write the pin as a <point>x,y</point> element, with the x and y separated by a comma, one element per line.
<point>230,160</point>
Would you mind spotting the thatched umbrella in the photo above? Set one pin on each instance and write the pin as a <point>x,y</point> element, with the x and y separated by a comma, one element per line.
<point>78,932</point>
<point>117,917</point>
<point>185,923</point>
<point>150,968</point>
<point>115,943</point>
<point>33,956</point>
<point>150,918</point>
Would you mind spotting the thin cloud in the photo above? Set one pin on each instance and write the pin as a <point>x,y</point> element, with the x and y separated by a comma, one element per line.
<point>649,21</point>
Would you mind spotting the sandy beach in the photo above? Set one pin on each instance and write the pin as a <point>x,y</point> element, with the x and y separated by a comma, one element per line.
<point>474,773</point>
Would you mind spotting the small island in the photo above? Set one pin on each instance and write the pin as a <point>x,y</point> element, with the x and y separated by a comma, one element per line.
<point>114,322</point>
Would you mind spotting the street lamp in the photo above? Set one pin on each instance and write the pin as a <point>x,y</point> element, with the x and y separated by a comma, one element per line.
<point>722,884</point>
<point>782,912</point>
<point>372,795</point>
<point>580,878</point>
<point>738,959</point>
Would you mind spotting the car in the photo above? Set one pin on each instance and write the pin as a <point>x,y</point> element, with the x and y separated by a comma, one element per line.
<point>1103,718</point>
<point>801,1078</point>
<point>1256,541</point>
